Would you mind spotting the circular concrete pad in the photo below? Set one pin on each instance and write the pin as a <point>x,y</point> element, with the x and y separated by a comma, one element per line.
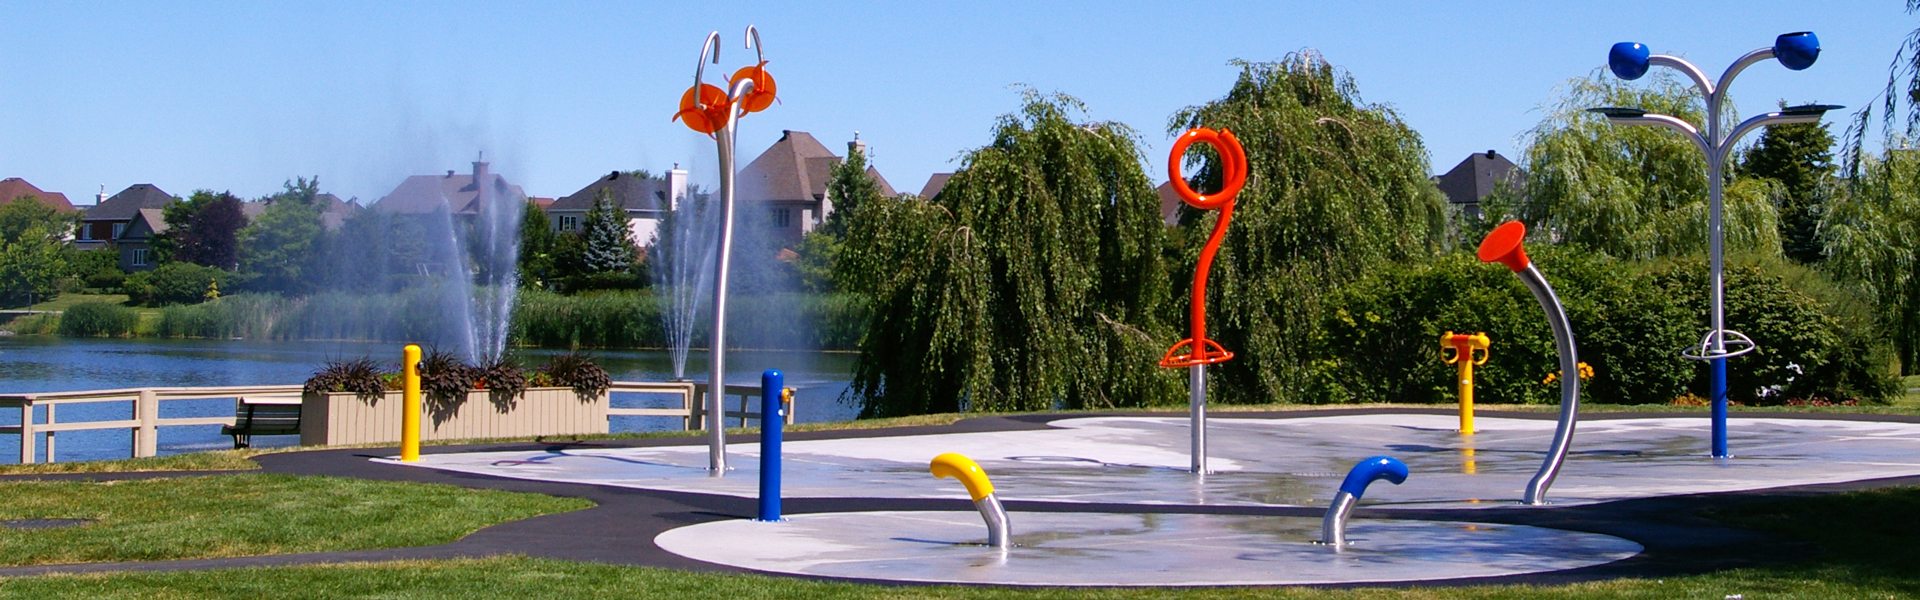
<point>1114,549</point>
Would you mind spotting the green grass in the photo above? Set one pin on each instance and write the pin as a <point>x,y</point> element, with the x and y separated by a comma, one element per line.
<point>1863,543</point>
<point>246,515</point>
<point>218,460</point>
<point>1911,399</point>
<point>63,301</point>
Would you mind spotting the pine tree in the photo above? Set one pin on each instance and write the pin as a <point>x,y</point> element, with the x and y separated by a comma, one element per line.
<point>1800,158</point>
<point>609,244</point>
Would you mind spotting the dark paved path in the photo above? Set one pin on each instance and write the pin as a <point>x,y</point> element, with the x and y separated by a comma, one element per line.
<point>621,527</point>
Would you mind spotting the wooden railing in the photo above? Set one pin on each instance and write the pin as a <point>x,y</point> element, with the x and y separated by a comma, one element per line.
<point>144,421</point>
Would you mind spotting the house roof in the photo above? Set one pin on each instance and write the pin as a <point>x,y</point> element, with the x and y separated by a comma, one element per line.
<point>424,194</point>
<point>795,168</point>
<point>1169,203</point>
<point>155,220</point>
<point>124,205</point>
<point>630,192</point>
<point>934,184</point>
<point>1476,177</point>
<point>886,189</point>
<point>13,188</point>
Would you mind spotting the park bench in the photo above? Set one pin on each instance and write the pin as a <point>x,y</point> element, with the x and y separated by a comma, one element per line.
<point>263,415</point>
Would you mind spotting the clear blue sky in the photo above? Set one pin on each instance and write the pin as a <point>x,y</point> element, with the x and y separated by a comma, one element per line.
<point>243,95</point>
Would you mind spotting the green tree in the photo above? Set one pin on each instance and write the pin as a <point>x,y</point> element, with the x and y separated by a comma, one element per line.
<point>1898,105</point>
<point>203,230</point>
<point>32,250</point>
<point>1633,192</point>
<point>1335,186</point>
<point>1800,158</point>
<point>1872,236</point>
<point>537,241</point>
<point>278,251</point>
<point>849,187</point>
<point>1034,281</point>
<point>609,244</point>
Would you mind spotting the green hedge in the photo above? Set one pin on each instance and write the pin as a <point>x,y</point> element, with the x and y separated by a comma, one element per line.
<point>630,319</point>
<point>98,319</point>
<point>1379,338</point>
<point>175,283</point>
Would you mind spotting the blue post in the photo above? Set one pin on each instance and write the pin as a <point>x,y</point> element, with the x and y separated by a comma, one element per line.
<point>773,415</point>
<point>1719,392</point>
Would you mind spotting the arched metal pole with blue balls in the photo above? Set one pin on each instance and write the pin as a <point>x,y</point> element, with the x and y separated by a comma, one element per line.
<point>1630,61</point>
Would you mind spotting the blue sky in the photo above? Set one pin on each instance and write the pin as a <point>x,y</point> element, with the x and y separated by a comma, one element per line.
<point>243,95</point>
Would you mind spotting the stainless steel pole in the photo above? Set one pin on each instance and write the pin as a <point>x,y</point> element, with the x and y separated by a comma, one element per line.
<point>1197,417</point>
<point>1569,384</point>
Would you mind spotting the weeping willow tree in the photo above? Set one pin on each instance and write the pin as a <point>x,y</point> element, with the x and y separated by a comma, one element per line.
<point>1634,192</point>
<point>1335,185</point>
<point>1034,280</point>
<point>1872,236</point>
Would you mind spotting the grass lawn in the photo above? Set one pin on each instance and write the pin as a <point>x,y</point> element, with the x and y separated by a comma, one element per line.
<point>246,514</point>
<point>65,301</point>
<point>1863,547</point>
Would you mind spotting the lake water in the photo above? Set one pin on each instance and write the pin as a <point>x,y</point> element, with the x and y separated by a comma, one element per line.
<point>52,364</point>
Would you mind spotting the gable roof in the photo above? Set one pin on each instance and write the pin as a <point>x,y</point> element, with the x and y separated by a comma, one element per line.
<point>795,168</point>
<point>124,205</point>
<point>886,189</point>
<point>934,184</point>
<point>424,194</point>
<point>146,223</point>
<point>1169,203</point>
<point>1476,177</point>
<point>12,188</point>
<point>629,192</point>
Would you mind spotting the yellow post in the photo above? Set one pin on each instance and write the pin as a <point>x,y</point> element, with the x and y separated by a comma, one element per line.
<point>1463,358</point>
<point>410,417</point>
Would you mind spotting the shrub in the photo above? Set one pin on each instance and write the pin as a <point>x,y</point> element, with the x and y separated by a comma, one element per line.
<point>1378,337</point>
<point>175,283</point>
<point>98,319</point>
<point>578,371</point>
<point>41,324</point>
<point>503,378</point>
<point>361,376</point>
<point>445,380</point>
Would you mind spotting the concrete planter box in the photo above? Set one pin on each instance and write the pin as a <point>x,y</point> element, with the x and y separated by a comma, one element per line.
<point>342,418</point>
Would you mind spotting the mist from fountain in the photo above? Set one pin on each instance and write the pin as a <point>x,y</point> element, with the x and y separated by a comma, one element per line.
<point>683,258</point>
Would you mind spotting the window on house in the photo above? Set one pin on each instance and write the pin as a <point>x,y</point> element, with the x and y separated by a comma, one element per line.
<point>140,257</point>
<point>782,218</point>
<point>569,223</point>
<point>118,228</point>
<point>86,231</point>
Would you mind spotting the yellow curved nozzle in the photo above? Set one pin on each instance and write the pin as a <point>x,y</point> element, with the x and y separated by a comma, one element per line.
<point>958,466</point>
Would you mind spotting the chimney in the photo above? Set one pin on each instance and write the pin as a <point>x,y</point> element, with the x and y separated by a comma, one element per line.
<point>856,146</point>
<point>1491,154</point>
<point>102,197</point>
<point>482,184</point>
<point>676,186</point>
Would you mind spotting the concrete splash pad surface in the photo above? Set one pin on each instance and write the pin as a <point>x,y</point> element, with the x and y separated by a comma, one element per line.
<point>1284,461</point>
<point>1108,549</point>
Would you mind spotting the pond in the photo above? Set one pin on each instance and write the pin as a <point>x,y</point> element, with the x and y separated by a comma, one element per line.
<point>52,364</point>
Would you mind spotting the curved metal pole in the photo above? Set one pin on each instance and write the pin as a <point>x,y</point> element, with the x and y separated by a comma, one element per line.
<point>1569,384</point>
<point>753,43</point>
<point>999,531</point>
<point>717,375</point>
<point>700,65</point>
<point>1748,60</point>
<point>1333,526</point>
<point>1669,122</point>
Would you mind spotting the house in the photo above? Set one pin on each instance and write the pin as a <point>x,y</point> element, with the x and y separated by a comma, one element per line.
<point>934,184</point>
<point>1169,203</point>
<point>1476,178</point>
<point>135,242</point>
<point>105,221</point>
<point>465,195</point>
<point>333,211</point>
<point>645,200</point>
<point>14,188</point>
<point>785,188</point>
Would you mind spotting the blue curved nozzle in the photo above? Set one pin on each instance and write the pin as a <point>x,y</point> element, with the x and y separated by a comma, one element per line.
<point>1628,60</point>
<point>1372,469</point>
<point>1797,50</point>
